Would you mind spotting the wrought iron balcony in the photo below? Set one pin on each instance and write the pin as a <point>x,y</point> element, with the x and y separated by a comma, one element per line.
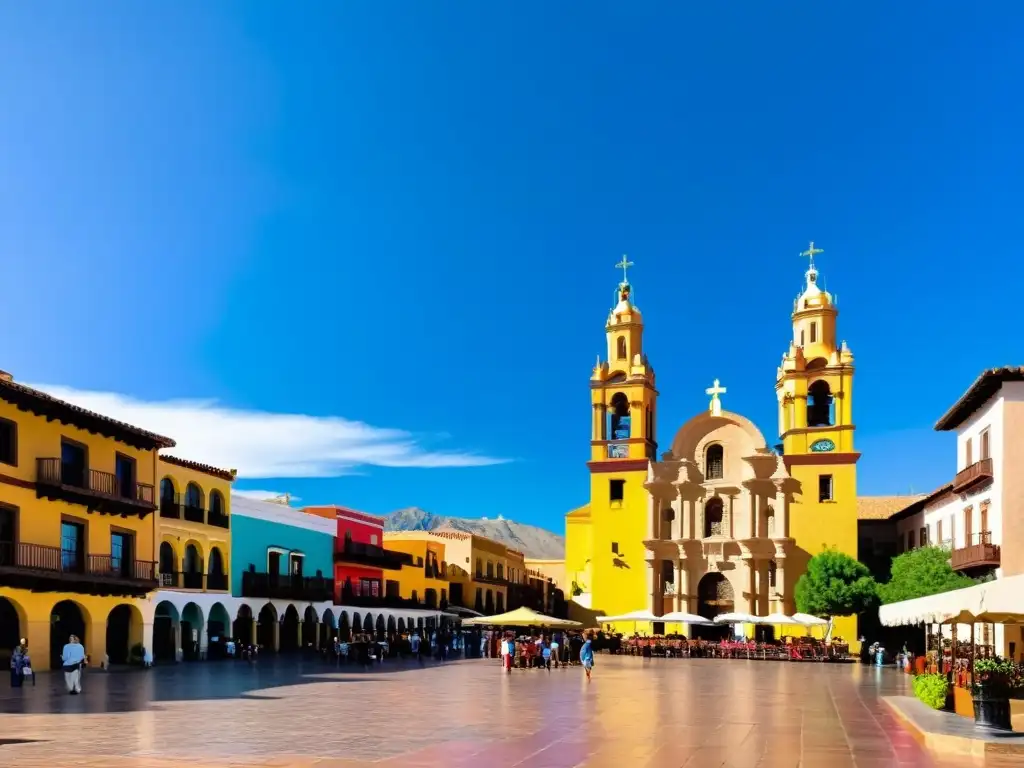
<point>170,580</point>
<point>218,519</point>
<point>217,581</point>
<point>980,552</point>
<point>101,491</point>
<point>194,514</point>
<point>42,568</point>
<point>169,507</point>
<point>371,554</point>
<point>978,473</point>
<point>348,597</point>
<point>270,585</point>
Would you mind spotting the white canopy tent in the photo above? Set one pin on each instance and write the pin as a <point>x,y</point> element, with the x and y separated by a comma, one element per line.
<point>680,617</point>
<point>634,616</point>
<point>780,619</point>
<point>810,621</point>
<point>997,602</point>
<point>735,618</point>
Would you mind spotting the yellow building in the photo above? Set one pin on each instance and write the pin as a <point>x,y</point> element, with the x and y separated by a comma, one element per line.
<point>77,527</point>
<point>721,522</point>
<point>193,556</point>
<point>423,580</point>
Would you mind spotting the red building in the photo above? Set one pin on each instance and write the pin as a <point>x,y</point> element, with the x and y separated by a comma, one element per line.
<point>359,556</point>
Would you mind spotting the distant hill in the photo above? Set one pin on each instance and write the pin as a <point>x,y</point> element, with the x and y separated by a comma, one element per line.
<point>531,540</point>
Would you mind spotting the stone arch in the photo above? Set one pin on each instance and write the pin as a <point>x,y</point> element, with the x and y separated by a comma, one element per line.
<point>241,628</point>
<point>218,625</point>
<point>13,626</point>
<point>165,631</point>
<point>368,623</point>
<point>266,628</point>
<point>392,626</point>
<point>344,630</point>
<point>192,570</point>
<point>381,627</point>
<point>289,640</point>
<point>715,595</point>
<point>714,517</point>
<point>168,563</point>
<point>194,495</point>
<point>401,625</point>
<point>68,617</point>
<point>168,490</point>
<point>310,622</point>
<point>714,461</point>
<point>193,626</point>
<point>124,630</point>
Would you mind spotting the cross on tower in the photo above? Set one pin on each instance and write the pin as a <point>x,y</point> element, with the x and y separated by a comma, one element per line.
<point>811,252</point>
<point>624,265</point>
<point>716,403</point>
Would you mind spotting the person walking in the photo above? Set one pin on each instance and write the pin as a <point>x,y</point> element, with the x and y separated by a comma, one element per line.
<point>508,650</point>
<point>73,657</point>
<point>587,657</point>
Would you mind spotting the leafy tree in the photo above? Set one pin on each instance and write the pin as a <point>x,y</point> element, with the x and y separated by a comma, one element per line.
<point>835,584</point>
<point>919,573</point>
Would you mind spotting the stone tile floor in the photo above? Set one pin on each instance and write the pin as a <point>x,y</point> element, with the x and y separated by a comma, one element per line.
<point>644,714</point>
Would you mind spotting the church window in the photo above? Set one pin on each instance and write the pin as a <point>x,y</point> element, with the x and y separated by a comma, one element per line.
<point>814,332</point>
<point>713,462</point>
<point>825,488</point>
<point>819,405</point>
<point>713,517</point>
<point>616,490</point>
<point>619,417</point>
<point>620,348</point>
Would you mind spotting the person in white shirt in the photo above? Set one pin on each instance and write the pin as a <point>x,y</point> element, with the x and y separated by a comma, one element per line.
<point>508,651</point>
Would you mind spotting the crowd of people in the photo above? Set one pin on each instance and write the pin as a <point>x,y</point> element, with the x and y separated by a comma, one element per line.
<point>539,651</point>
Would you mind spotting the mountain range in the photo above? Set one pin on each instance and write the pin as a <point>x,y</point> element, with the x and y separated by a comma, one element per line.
<point>529,539</point>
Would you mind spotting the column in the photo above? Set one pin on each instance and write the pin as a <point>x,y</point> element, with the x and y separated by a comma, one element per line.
<point>96,642</point>
<point>782,524</point>
<point>763,607</point>
<point>780,583</point>
<point>277,636</point>
<point>253,632</point>
<point>656,516</point>
<point>683,585</point>
<point>636,419</point>
<point>147,636</point>
<point>37,633</point>
<point>754,512</point>
<point>752,587</point>
<point>651,581</point>
<point>598,422</point>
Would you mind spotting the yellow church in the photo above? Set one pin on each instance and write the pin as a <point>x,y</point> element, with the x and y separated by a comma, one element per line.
<point>720,522</point>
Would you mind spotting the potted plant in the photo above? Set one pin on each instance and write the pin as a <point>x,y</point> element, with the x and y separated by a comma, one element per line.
<point>991,693</point>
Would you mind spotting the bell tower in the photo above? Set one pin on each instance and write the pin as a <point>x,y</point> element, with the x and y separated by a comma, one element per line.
<point>814,386</point>
<point>623,441</point>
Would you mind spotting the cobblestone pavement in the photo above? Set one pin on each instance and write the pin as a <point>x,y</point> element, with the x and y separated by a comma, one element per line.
<point>641,714</point>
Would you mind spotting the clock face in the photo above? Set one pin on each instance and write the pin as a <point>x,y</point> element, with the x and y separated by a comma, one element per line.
<point>823,446</point>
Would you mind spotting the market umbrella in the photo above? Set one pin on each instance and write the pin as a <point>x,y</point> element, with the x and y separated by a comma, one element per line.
<point>521,617</point>
<point>735,618</point>
<point>779,619</point>
<point>680,617</point>
<point>810,621</point>
<point>637,617</point>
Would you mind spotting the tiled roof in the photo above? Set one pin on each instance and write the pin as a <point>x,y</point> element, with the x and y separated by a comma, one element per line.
<point>978,394</point>
<point>42,404</point>
<point>884,507</point>
<point>223,474</point>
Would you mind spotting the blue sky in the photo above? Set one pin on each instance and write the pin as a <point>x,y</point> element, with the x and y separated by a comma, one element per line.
<point>407,215</point>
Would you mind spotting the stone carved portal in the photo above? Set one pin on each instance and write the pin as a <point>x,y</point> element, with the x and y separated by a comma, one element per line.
<point>714,596</point>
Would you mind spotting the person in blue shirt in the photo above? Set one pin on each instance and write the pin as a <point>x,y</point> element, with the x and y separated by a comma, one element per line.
<point>73,657</point>
<point>587,656</point>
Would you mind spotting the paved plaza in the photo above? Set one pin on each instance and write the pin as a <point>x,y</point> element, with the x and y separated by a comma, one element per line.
<point>655,713</point>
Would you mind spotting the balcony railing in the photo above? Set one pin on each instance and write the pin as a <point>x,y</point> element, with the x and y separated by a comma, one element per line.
<point>979,472</point>
<point>53,563</point>
<point>217,581</point>
<point>371,554</point>
<point>192,580</point>
<point>491,579</point>
<point>169,507</point>
<point>378,601</point>
<point>83,485</point>
<point>218,519</point>
<point>170,580</point>
<point>311,588</point>
<point>980,552</point>
<point>194,514</point>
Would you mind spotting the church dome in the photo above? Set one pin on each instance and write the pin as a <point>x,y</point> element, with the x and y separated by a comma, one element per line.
<point>813,297</point>
<point>624,311</point>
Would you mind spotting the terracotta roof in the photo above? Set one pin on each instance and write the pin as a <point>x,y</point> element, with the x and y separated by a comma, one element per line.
<point>977,395</point>
<point>884,507</point>
<point>42,404</point>
<point>223,474</point>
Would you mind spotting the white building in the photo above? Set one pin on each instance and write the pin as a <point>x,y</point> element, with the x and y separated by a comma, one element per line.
<point>979,514</point>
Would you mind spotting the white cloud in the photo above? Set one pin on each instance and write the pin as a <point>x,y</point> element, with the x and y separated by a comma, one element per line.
<point>269,445</point>
<point>264,495</point>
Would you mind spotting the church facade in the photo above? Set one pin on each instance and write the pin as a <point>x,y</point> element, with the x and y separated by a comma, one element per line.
<point>721,522</point>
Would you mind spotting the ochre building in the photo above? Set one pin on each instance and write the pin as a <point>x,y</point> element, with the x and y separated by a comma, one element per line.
<point>78,497</point>
<point>722,521</point>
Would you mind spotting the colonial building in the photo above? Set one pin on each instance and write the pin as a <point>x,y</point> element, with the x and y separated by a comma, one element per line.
<point>194,554</point>
<point>77,527</point>
<point>424,578</point>
<point>975,515</point>
<point>721,522</point>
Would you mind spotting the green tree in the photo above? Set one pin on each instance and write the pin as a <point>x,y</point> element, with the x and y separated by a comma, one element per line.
<point>835,585</point>
<point>919,573</point>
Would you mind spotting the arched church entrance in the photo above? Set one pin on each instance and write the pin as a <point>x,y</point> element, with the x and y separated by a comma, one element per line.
<point>714,597</point>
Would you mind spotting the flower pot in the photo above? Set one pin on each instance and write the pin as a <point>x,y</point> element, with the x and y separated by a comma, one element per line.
<point>991,707</point>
